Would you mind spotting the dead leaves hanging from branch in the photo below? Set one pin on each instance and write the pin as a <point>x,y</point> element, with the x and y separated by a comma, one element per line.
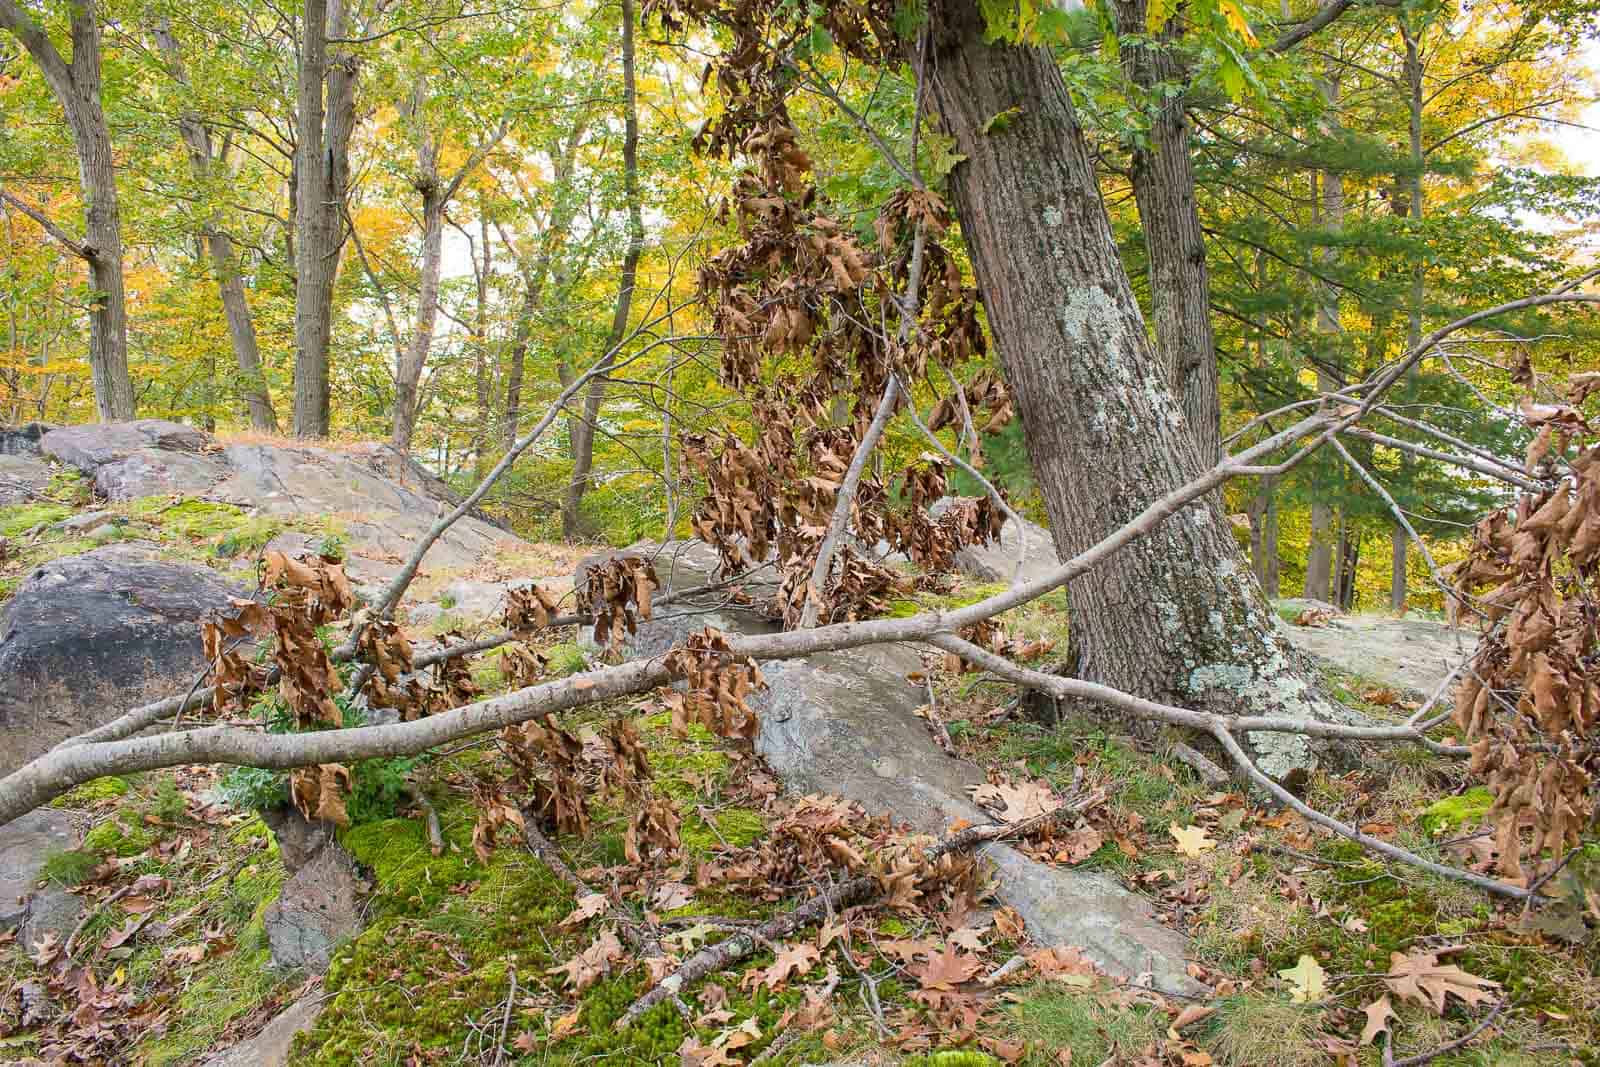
<point>1529,704</point>
<point>614,595</point>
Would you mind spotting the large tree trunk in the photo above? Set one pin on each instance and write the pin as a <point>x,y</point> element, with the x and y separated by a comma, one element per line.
<point>1175,615</point>
<point>1164,188</point>
<point>322,174</point>
<point>583,426</point>
<point>224,261</point>
<point>75,83</point>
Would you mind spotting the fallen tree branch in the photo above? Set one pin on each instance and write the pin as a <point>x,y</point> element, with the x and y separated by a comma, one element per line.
<point>1428,1057</point>
<point>837,897</point>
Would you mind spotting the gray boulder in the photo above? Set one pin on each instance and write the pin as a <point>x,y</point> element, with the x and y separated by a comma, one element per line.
<point>681,566</point>
<point>22,477</point>
<point>34,911</point>
<point>87,635</point>
<point>997,561</point>
<point>321,902</point>
<point>22,440</point>
<point>146,457</point>
<point>845,723</point>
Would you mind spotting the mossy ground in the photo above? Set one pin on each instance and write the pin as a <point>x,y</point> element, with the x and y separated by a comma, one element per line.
<point>431,976</point>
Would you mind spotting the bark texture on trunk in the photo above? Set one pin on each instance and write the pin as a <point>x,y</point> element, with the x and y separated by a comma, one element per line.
<point>583,426</point>
<point>1176,615</point>
<point>1164,189</point>
<point>75,83</point>
<point>1320,555</point>
<point>322,176</point>
<point>224,260</point>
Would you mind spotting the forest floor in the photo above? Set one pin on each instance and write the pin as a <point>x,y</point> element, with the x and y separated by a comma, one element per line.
<point>1308,951</point>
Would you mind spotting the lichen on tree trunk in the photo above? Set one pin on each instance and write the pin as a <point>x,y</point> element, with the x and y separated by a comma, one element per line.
<point>1177,616</point>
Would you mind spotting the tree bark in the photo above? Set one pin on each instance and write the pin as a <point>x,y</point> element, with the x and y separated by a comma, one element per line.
<point>1320,554</point>
<point>563,211</point>
<point>1174,615</point>
<point>224,262</point>
<point>1264,536</point>
<point>583,427</point>
<point>75,84</point>
<point>1164,189</point>
<point>322,175</point>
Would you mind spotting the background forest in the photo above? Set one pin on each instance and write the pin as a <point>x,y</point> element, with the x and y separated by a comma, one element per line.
<point>512,193</point>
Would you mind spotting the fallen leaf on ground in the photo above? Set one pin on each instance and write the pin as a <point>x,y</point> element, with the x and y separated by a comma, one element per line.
<point>1192,840</point>
<point>1422,978</point>
<point>1307,979</point>
<point>1379,1012</point>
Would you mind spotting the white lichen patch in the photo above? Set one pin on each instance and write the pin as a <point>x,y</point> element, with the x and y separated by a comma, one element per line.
<point>1270,688</point>
<point>1052,215</point>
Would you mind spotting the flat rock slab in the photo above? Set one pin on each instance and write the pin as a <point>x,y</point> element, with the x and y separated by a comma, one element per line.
<point>25,844</point>
<point>21,478</point>
<point>1028,543</point>
<point>270,1047</point>
<point>319,906</point>
<point>90,634</point>
<point>845,723</point>
<point>383,499</point>
<point>1412,654</point>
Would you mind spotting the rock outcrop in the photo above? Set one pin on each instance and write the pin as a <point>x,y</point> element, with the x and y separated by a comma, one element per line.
<point>22,477</point>
<point>1030,544</point>
<point>382,499</point>
<point>320,904</point>
<point>36,911</point>
<point>22,440</point>
<point>88,635</point>
<point>846,723</point>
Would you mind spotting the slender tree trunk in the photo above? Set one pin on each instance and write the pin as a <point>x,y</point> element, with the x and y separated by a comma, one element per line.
<point>1400,541</point>
<point>483,379</point>
<point>224,261</point>
<point>322,173</point>
<point>1174,615</point>
<point>408,371</point>
<point>75,84</point>
<point>583,428</point>
<point>1349,563</point>
<point>1264,536</point>
<point>1164,188</point>
<point>1320,556</point>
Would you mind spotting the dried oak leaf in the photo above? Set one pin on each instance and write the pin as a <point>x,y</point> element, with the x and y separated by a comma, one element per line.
<point>1422,978</point>
<point>792,960</point>
<point>1017,802</point>
<point>946,970</point>
<point>593,963</point>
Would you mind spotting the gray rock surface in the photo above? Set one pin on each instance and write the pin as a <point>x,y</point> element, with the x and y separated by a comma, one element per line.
<point>320,904</point>
<point>270,1046</point>
<point>680,566</point>
<point>997,561</point>
<point>146,457</point>
<point>384,500</point>
<point>35,911</point>
<point>21,478</point>
<point>1411,654</point>
<point>22,440</point>
<point>845,723</point>
<point>87,635</point>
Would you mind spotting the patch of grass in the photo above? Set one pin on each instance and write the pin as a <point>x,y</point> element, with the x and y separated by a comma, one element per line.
<point>1260,1031</point>
<point>1080,1022</point>
<point>69,867</point>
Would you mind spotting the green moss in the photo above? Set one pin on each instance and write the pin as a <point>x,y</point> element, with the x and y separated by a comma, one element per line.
<point>1453,813</point>
<point>952,1058</point>
<point>90,793</point>
<point>18,519</point>
<point>68,867</point>
<point>566,659</point>
<point>409,878</point>
<point>114,837</point>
